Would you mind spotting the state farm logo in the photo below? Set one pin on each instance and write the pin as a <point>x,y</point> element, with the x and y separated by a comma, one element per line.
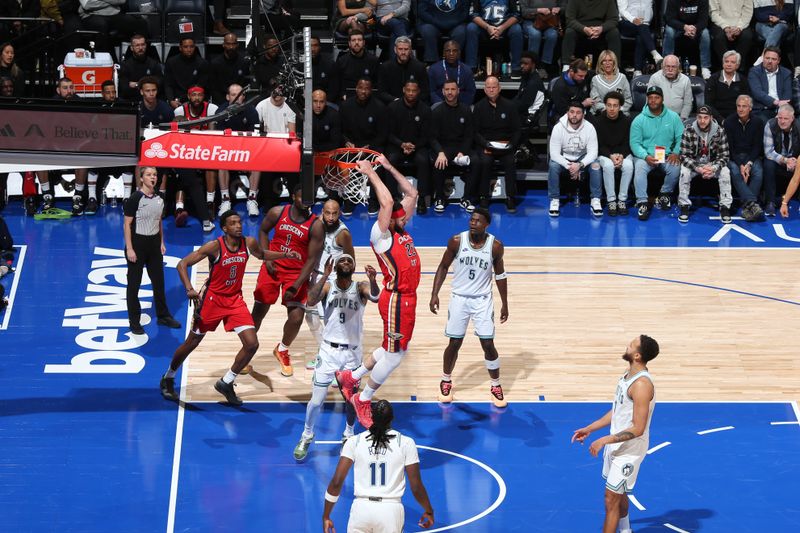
<point>156,150</point>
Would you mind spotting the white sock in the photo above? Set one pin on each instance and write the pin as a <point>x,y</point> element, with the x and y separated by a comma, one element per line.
<point>209,197</point>
<point>367,394</point>
<point>170,373</point>
<point>226,194</point>
<point>93,190</point>
<point>494,382</point>
<point>127,184</point>
<point>229,377</point>
<point>360,372</point>
<point>624,523</point>
<point>79,187</point>
<point>282,347</point>
<point>178,205</point>
<point>446,377</point>
<point>45,187</point>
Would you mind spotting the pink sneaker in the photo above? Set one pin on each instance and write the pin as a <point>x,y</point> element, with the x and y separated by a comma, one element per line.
<point>497,396</point>
<point>347,383</point>
<point>445,391</point>
<point>363,410</point>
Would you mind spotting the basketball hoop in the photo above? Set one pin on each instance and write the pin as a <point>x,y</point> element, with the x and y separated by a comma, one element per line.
<point>340,172</point>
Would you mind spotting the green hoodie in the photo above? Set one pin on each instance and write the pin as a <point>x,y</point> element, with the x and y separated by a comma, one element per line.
<point>649,131</point>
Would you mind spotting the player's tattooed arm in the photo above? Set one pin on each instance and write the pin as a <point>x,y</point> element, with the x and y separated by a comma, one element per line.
<point>622,436</point>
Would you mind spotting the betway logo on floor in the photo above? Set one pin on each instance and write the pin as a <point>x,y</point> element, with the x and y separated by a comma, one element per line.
<point>102,326</point>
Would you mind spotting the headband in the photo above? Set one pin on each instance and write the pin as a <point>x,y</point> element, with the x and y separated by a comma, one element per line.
<point>196,89</point>
<point>399,213</point>
<point>345,256</point>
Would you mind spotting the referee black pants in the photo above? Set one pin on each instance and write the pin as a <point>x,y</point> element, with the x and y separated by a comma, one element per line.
<point>148,255</point>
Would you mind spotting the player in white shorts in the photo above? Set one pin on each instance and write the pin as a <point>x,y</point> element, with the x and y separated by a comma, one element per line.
<point>626,446</point>
<point>343,302</point>
<point>338,241</point>
<point>475,254</point>
<point>381,458</point>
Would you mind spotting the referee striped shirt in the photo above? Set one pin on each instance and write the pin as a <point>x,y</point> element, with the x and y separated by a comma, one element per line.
<point>146,213</point>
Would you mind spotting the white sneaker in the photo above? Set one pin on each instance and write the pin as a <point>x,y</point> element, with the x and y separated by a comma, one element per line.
<point>797,72</point>
<point>758,61</point>
<point>706,73</point>
<point>657,57</point>
<point>555,206</point>
<point>224,205</point>
<point>597,208</point>
<point>637,73</point>
<point>208,226</point>
<point>252,208</point>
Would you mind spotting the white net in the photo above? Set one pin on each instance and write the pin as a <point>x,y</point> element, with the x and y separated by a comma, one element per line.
<point>343,176</point>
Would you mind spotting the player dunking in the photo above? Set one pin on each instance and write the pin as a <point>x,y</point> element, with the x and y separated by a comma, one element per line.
<point>343,302</point>
<point>380,457</point>
<point>626,446</point>
<point>296,230</point>
<point>476,254</point>
<point>221,300</point>
<point>400,264</point>
<point>338,241</point>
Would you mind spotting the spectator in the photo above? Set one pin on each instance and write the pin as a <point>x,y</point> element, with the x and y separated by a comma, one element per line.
<point>655,143</point>
<point>688,20</point>
<point>773,20</point>
<point>268,65</point>
<point>573,147</point>
<point>229,67</point>
<point>104,15</point>
<point>395,72</point>
<point>364,125</point>
<point>497,135</point>
<point>391,19</point>
<point>354,15</point>
<point>770,84</point>
<point>676,87</point>
<point>725,86</point>
<point>322,67</point>
<point>9,69</point>
<point>6,87</point>
<point>326,124</point>
<point>745,133</point>
<point>570,86</point>
<point>17,9</point>
<point>542,20</point>
<point>435,19</point>
<point>731,27</point>
<point>152,111</point>
<point>451,143</point>
<point>276,117</point>
<point>451,68</point>
<point>781,150</point>
<point>137,66</point>
<point>704,153</point>
<point>635,19</point>
<point>244,120</point>
<point>490,20</point>
<point>356,63</point>
<point>409,127</point>
<point>531,93</point>
<point>609,79</point>
<point>614,153</point>
<point>279,15</point>
<point>185,70</point>
<point>591,20</point>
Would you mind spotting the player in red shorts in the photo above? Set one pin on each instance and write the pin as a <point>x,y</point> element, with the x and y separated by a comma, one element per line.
<point>400,264</point>
<point>296,229</point>
<point>221,300</point>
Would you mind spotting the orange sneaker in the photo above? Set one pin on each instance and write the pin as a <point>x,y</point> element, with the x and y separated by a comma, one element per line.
<point>363,410</point>
<point>348,385</point>
<point>445,391</point>
<point>497,396</point>
<point>285,361</point>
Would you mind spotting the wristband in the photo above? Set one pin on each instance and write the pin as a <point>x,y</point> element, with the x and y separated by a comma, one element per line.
<point>330,497</point>
<point>501,276</point>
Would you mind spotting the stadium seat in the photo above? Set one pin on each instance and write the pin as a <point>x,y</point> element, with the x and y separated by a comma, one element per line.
<point>639,92</point>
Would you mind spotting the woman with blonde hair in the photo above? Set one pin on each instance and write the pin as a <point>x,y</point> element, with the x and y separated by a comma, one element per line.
<point>607,79</point>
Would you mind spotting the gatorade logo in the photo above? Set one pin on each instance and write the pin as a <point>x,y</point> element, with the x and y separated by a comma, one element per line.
<point>88,77</point>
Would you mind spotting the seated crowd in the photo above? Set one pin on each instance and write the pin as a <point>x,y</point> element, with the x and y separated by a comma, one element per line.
<point>421,108</point>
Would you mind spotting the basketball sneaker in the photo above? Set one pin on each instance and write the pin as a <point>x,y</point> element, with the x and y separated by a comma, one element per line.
<point>252,208</point>
<point>445,391</point>
<point>224,205</point>
<point>347,383</point>
<point>363,410</point>
<point>181,216</point>
<point>497,396</point>
<point>47,202</point>
<point>226,389</point>
<point>168,389</point>
<point>91,206</point>
<point>285,361</point>
<point>301,450</point>
<point>77,205</point>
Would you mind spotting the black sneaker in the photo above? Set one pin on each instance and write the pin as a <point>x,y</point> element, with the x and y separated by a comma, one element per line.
<point>181,216</point>
<point>467,205</point>
<point>422,207</point>
<point>663,202</point>
<point>484,203</point>
<point>77,205</point>
<point>684,216</point>
<point>91,206</point>
<point>438,206</point>
<point>30,206</point>
<point>622,208</point>
<point>137,329</point>
<point>769,209</point>
<point>725,214</point>
<point>511,206</point>
<point>226,389</point>
<point>612,208</point>
<point>644,211</point>
<point>373,208</point>
<point>347,208</point>
<point>168,389</point>
<point>211,210</point>
<point>516,74</point>
<point>47,202</point>
<point>169,322</point>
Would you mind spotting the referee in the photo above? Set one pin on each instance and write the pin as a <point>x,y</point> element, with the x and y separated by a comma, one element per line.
<point>144,248</point>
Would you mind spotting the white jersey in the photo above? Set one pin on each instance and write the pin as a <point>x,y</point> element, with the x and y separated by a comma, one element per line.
<point>331,249</point>
<point>622,417</point>
<point>343,314</point>
<point>472,270</point>
<point>382,475</point>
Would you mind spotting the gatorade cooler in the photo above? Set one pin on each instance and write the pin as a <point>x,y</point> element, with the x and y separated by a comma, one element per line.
<point>88,73</point>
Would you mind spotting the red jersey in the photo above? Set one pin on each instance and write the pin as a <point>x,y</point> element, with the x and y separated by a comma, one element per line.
<point>187,112</point>
<point>289,235</point>
<point>226,273</point>
<point>400,264</point>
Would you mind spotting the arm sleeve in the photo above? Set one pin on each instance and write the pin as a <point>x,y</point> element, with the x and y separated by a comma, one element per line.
<point>380,241</point>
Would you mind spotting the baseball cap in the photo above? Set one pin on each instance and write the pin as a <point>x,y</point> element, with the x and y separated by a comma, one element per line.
<point>704,110</point>
<point>655,89</point>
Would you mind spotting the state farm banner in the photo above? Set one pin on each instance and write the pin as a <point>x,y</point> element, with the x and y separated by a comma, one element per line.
<point>221,150</point>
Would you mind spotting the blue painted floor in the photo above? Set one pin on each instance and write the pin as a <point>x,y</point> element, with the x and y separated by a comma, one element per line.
<point>91,448</point>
